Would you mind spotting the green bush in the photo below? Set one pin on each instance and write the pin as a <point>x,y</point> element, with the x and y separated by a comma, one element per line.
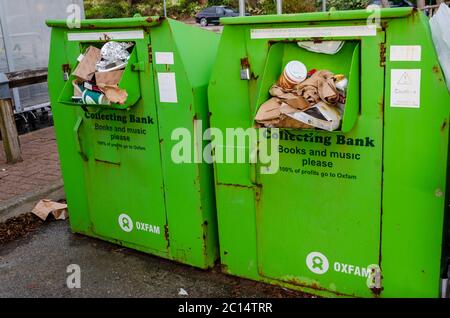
<point>186,8</point>
<point>128,8</point>
<point>218,2</point>
<point>259,7</point>
<point>347,4</point>
<point>105,9</point>
<point>298,6</point>
<point>146,9</point>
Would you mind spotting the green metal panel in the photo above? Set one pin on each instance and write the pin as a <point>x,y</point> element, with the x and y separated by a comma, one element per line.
<point>120,181</point>
<point>318,16</point>
<point>281,215</point>
<point>188,187</point>
<point>379,204</point>
<point>416,147</point>
<point>90,24</point>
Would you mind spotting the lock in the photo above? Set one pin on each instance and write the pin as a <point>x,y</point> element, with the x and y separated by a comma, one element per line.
<point>245,69</point>
<point>245,74</point>
<point>66,71</point>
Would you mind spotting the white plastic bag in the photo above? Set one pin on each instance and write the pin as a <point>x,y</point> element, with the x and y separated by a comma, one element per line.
<point>440,30</point>
<point>325,47</point>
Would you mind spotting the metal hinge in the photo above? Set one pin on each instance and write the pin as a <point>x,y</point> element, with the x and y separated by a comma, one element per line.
<point>258,192</point>
<point>150,54</point>
<point>166,234</point>
<point>383,54</point>
<point>138,67</point>
<point>66,71</point>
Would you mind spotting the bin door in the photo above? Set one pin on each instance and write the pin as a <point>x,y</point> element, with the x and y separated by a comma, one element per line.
<point>318,218</point>
<point>122,162</point>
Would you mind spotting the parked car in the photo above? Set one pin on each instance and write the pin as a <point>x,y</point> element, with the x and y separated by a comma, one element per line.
<point>394,4</point>
<point>212,15</point>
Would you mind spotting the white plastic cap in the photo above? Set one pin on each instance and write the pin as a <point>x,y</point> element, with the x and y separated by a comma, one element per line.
<point>296,71</point>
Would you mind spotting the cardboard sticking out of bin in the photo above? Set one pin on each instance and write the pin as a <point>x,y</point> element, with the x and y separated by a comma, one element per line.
<point>108,78</point>
<point>316,102</point>
<point>104,88</point>
<point>319,87</point>
<point>46,207</point>
<point>290,97</point>
<point>270,115</point>
<point>114,94</point>
<point>289,122</point>
<point>86,68</point>
<point>321,116</point>
<point>270,110</point>
<point>108,82</point>
<point>77,92</point>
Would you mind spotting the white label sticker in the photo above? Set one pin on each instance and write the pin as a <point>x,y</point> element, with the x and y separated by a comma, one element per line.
<point>164,58</point>
<point>405,88</point>
<point>167,88</point>
<point>337,31</point>
<point>406,53</point>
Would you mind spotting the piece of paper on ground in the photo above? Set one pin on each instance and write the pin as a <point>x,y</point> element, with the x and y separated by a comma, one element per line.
<point>46,207</point>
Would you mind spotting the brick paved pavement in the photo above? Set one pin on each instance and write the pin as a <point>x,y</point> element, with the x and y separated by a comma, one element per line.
<point>40,167</point>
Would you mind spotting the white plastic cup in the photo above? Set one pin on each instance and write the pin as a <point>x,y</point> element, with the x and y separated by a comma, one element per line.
<point>294,73</point>
<point>342,85</point>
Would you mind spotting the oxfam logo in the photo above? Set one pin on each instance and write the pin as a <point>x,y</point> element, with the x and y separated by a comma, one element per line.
<point>317,263</point>
<point>126,223</point>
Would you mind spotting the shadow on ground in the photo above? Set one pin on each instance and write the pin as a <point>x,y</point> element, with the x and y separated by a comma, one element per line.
<point>35,266</point>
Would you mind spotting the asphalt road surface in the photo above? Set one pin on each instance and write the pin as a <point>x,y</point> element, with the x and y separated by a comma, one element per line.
<point>36,266</point>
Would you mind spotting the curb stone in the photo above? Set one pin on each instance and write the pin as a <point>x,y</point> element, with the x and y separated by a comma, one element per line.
<point>25,203</point>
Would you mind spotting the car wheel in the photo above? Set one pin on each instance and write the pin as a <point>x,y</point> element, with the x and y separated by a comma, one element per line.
<point>203,22</point>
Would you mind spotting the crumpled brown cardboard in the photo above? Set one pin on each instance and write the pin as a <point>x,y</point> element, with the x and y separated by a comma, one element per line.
<point>282,93</point>
<point>108,82</point>
<point>290,97</point>
<point>288,122</point>
<point>46,207</point>
<point>269,115</point>
<point>77,92</point>
<point>283,122</point>
<point>85,70</point>
<point>108,78</point>
<point>321,116</point>
<point>289,108</point>
<point>320,86</point>
<point>269,110</point>
<point>114,94</point>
